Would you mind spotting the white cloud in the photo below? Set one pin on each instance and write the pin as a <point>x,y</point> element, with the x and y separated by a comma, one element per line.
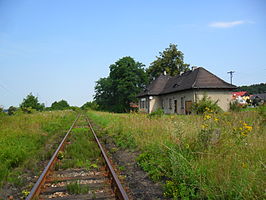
<point>226,24</point>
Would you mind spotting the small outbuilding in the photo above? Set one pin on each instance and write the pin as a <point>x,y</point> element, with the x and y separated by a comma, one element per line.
<point>175,94</point>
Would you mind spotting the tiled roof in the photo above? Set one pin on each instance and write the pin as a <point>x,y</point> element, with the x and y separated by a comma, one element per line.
<point>241,93</point>
<point>197,78</point>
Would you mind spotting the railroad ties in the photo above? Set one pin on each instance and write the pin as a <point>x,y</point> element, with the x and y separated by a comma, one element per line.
<point>59,182</point>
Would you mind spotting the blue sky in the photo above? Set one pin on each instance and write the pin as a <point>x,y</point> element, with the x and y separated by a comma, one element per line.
<point>57,49</point>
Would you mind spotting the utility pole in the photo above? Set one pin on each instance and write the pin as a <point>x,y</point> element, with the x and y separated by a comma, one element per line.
<point>231,76</point>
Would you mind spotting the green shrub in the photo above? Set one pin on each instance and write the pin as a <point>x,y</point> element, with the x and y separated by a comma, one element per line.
<point>11,110</point>
<point>157,113</point>
<point>205,103</point>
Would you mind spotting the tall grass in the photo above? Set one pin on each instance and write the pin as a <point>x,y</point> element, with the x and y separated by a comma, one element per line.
<point>211,156</point>
<point>26,139</point>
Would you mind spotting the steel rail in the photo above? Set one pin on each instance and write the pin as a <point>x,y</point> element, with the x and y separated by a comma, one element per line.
<point>119,191</point>
<point>37,187</point>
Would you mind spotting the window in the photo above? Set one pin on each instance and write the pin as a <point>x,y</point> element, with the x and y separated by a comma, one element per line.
<point>182,102</point>
<point>142,103</point>
<point>170,103</point>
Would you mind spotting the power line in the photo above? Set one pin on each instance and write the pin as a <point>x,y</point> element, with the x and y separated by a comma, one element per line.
<point>231,76</point>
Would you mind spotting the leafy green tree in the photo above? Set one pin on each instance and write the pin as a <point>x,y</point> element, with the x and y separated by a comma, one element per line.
<point>126,79</point>
<point>104,93</point>
<point>31,102</point>
<point>60,105</point>
<point>171,60</point>
<point>90,105</point>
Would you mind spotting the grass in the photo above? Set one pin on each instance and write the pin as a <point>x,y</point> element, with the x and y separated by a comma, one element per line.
<point>26,140</point>
<point>211,156</point>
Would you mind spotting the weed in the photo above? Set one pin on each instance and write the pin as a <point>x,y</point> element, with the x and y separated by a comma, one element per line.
<point>77,188</point>
<point>122,168</point>
<point>60,155</point>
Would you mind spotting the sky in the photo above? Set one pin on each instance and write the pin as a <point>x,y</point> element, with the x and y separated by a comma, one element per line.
<point>58,49</point>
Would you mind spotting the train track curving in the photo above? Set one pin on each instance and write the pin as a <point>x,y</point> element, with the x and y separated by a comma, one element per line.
<point>97,183</point>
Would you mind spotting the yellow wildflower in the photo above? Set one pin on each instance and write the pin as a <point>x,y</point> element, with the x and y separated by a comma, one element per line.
<point>206,117</point>
<point>244,165</point>
<point>248,128</point>
<point>243,133</point>
<point>203,126</point>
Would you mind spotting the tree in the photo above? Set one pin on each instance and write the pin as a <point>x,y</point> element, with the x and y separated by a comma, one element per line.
<point>31,102</point>
<point>126,79</point>
<point>60,105</point>
<point>90,105</point>
<point>104,93</point>
<point>171,60</point>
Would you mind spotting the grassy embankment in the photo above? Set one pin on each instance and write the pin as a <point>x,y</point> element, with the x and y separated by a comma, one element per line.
<point>213,156</point>
<point>28,139</point>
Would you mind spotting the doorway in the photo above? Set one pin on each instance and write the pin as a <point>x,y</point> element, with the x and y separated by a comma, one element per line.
<point>175,104</point>
<point>188,106</point>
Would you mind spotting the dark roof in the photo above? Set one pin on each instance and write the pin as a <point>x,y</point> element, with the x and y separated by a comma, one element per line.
<point>197,78</point>
<point>156,86</point>
<point>261,96</point>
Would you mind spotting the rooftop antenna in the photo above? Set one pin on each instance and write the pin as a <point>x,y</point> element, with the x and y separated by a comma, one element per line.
<point>231,76</point>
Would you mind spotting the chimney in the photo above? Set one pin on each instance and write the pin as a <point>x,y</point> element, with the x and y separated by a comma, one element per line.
<point>194,67</point>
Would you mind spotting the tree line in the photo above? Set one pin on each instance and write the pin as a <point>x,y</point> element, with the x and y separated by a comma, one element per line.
<point>31,103</point>
<point>253,89</point>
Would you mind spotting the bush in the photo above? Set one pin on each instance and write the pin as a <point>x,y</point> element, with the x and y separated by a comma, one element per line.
<point>205,103</point>
<point>157,113</point>
<point>11,110</point>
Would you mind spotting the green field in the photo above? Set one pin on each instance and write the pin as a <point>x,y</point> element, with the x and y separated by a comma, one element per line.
<point>26,140</point>
<point>213,156</point>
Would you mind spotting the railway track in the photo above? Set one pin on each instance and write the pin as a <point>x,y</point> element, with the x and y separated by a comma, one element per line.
<point>98,181</point>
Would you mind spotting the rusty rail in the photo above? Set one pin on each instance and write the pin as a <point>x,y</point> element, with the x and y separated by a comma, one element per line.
<point>118,188</point>
<point>37,187</point>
